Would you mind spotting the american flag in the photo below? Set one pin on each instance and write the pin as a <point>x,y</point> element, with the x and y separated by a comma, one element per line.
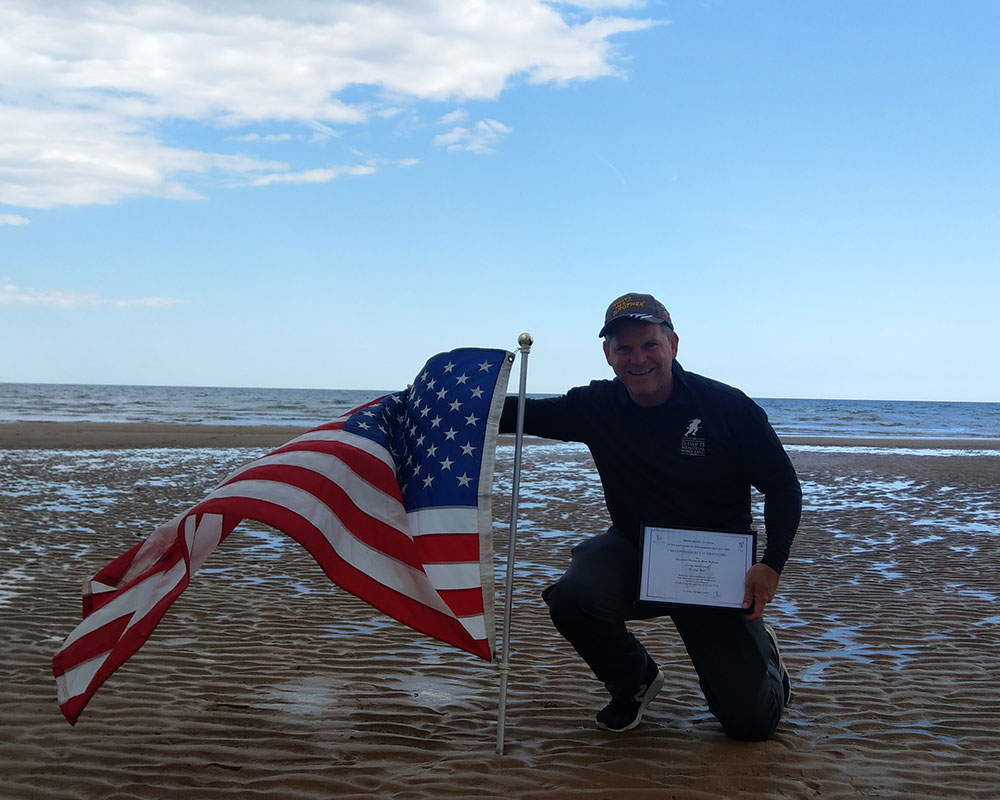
<point>392,500</point>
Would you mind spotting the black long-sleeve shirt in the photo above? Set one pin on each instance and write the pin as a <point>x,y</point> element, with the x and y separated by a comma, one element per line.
<point>688,463</point>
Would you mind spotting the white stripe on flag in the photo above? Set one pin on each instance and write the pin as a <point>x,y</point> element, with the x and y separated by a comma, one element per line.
<point>168,581</point>
<point>202,537</point>
<point>340,435</point>
<point>371,500</point>
<point>444,519</point>
<point>332,435</point>
<point>75,681</point>
<point>383,568</point>
<point>462,575</point>
<point>142,597</point>
<point>126,604</point>
<point>153,548</point>
<point>475,625</point>
<point>96,587</point>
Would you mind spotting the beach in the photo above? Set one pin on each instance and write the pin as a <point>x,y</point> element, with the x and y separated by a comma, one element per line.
<point>266,681</point>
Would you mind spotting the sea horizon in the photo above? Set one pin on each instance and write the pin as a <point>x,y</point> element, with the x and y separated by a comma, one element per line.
<point>219,405</point>
<point>510,390</point>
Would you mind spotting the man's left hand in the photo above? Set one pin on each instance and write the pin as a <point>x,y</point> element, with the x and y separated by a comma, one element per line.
<point>761,586</point>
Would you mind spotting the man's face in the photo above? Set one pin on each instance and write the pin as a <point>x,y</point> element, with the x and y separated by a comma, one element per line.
<point>641,354</point>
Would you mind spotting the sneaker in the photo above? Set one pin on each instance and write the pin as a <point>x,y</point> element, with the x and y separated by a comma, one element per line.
<point>782,671</point>
<point>625,714</point>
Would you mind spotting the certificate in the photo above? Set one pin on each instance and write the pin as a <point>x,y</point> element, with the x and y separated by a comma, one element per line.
<point>685,567</point>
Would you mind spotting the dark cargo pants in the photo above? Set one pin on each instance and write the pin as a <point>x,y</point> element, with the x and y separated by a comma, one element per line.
<point>736,663</point>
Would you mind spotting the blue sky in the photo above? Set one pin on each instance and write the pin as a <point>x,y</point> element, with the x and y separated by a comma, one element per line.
<point>304,194</point>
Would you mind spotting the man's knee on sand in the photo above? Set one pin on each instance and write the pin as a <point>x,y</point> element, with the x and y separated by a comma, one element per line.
<point>748,721</point>
<point>749,729</point>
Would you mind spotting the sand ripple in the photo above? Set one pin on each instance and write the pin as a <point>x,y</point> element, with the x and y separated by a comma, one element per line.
<point>264,681</point>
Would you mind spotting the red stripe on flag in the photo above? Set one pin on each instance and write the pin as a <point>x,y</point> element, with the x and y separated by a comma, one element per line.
<point>84,648</point>
<point>371,531</point>
<point>464,602</point>
<point>373,469</point>
<point>447,548</point>
<point>410,612</point>
<point>114,573</point>
<point>124,648</point>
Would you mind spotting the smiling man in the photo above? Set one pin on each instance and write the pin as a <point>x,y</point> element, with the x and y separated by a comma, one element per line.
<point>676,450</point>
<point>642,356</point>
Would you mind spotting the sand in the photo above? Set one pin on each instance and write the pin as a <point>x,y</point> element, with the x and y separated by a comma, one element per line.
<point>265,681</point>
<point>97,435</point>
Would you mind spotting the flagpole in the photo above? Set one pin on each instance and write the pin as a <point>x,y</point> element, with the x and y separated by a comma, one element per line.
<point>524,342</point>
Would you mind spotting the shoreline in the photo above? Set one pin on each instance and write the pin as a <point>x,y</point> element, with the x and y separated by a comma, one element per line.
<point>117,435</point>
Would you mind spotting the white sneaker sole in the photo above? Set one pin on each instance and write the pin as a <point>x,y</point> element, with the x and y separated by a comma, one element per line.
<point>652,690</point>
<point>786,684</point>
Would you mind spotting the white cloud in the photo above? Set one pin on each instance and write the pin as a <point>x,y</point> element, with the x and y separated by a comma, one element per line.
<point>94,94</point>
<point>321,132</point>
<point>265,138</point>
<point>75,157</point>
<point>13,219</point>
<point>11,295</point>
<point>479,139</point>
<point>604,5</point>
<point>313,175</point>
<point>457,115</point>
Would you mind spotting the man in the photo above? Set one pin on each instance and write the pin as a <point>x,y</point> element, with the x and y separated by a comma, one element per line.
<point>677,450</point>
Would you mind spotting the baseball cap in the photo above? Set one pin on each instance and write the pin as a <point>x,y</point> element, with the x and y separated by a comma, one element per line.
<point>643,307</point>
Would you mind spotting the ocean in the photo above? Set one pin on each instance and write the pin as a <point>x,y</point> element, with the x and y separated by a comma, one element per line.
<point>197,405</point>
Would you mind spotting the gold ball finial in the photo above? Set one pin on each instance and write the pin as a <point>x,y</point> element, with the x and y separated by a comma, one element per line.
<point>525,340</point>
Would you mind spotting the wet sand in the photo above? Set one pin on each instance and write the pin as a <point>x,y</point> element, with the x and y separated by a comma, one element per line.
<point>98,435</point>
<point>265,681</point>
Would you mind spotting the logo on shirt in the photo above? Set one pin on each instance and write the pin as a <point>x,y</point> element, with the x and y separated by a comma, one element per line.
<point>691,443</point>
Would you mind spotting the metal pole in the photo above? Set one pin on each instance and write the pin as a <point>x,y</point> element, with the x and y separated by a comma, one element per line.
<point>524,341</point>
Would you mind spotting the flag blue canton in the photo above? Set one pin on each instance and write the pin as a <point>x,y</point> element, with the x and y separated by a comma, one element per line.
<point>436,429</point>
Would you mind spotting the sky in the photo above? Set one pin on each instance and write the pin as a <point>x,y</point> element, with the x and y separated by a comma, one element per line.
<point>306,194</point>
